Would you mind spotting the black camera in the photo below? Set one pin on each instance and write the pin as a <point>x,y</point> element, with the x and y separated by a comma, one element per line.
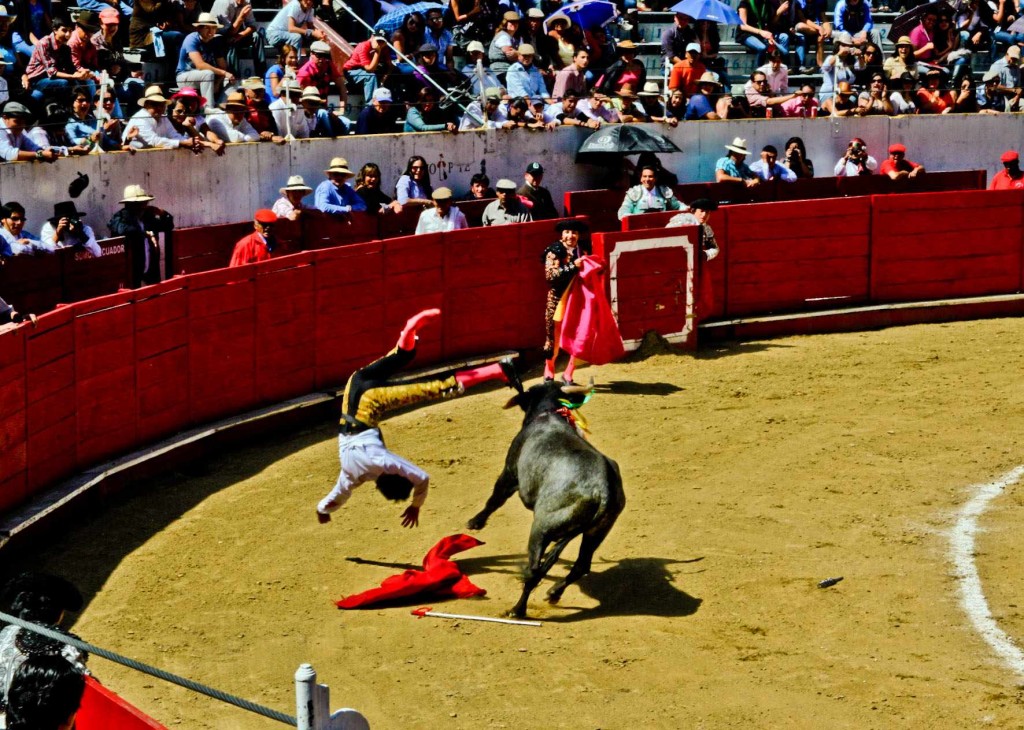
<point>74,222</point>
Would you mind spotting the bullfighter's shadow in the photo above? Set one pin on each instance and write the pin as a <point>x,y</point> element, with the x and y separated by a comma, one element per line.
<point>630,387</point>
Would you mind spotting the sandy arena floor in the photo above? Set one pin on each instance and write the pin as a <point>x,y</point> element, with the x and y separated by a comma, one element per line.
<point>752,472</point>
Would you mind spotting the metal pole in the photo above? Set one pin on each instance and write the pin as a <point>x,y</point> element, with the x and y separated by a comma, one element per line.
<point>305,682</point>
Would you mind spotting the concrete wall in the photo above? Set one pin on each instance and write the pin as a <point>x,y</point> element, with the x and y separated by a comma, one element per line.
<point>207,189</point>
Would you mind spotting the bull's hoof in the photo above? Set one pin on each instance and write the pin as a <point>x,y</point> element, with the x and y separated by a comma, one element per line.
<point>554,595</point>
<point>516,612</point>
<point>476,523</point>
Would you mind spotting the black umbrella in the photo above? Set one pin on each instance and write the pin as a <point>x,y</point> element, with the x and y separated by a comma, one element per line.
<point>912,18</point>
<point>622,139</point>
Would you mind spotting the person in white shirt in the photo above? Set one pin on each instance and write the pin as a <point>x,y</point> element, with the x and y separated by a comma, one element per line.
<point>494,114</point>
<point>597,107</point>
<point>767,168</point>
<point>13,233</point>
<point>15,144</point>
<point>443,216</point>
<point>154,128</point>
<point>232,126</point>
<point>289,205</point>
<point>856,161</point>
<point>66,230</point>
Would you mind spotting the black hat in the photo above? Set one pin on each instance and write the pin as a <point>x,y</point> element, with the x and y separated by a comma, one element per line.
<point>572,224</point>
<point>66,209</point>
<point>535,168</point>
<point>704,204</point>
<point>89,20</point>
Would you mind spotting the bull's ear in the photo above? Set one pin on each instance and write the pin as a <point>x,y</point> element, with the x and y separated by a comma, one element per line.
<point>513,401</point>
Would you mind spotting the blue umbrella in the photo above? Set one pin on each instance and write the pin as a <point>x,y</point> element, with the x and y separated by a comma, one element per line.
<point>712,10</point>
<point>393,21</point>
<point>587,14</point>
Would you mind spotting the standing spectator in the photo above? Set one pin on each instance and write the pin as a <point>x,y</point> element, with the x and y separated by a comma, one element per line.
<point>425,116</point>
<point>370,64</point>
<point>543,207</point>
<point>897,166</point>
<point>50,71</point>
<point>413,187</point>
<point>732,167</point>
<point>201,62</point>
<point>803,105</point>
<point>856,160</point>
<point>319,71</point>
<point>767,168</point>
<point>441,37</point>
<point>854,17</point>
<point>379,116</point>
<point>931,99</point>
<point>648,196</point>
<point>1008,68</point>
<point>902,60</point>
<point>573,78</point>
<point>290,205</point>
<point>1011,177</point>
<point>480,188</point>
<point>443,216</point>
<point>508,208</point>
<point>677,39</point>
<point>15,239</point>
<point>293,25</point>
<point>796,158</point>
<point>525,80</point>
<point>149,127</point>
<point>287,66</point>
<point>256,246</point>
<point>503,49</point>
<point>15,145</point>
<point>45,694</point>
<point>67,230</point>
<point>368,188</point>
<point>333,196</point>
<point>141,225</point>
<point>702,105</point>
<point>687,73</point>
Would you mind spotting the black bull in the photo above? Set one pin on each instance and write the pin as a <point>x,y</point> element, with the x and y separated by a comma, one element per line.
<point>571,487</point>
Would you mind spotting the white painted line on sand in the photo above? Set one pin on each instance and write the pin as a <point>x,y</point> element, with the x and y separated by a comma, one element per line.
<point>971,595</point>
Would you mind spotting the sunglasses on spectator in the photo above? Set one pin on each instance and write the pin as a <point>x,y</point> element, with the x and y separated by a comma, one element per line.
<point>17,218</point>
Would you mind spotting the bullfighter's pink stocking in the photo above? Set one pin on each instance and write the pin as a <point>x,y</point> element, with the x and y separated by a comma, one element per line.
<point>407,340</point>
<point>475,376</point>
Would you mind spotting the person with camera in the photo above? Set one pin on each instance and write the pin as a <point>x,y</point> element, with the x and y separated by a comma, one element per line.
<point>839,67</point>
<point>796,158</point>
<point>66,230</point>
<point>856,161</point>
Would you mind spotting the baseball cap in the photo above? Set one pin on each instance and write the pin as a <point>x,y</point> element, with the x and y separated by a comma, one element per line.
<point>382,94</point>
<point>1013,51</point>
<point>535,168</point>
<point>1009,156</point>
<point>475,46</point>
<point>693,47</point>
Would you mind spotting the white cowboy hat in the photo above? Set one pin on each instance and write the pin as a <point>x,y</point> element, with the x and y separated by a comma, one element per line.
<point>207,19</point>
<point>340,165</point>
<point>155,95</point>
<point>739,146</point>
<point>295,182</point>
<point>311,93</point>
<point>135,194</point>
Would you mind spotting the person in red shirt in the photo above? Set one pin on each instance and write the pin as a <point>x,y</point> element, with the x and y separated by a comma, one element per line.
<point>897,166</point>
<point>934,100</point>
<point>258,244</point>
<point>319,71</point>
<point>1011,177</point>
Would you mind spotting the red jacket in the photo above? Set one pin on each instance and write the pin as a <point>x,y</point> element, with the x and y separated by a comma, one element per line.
<point>249,250</point>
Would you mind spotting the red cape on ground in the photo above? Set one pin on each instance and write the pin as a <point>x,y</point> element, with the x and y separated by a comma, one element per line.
<point>440,578</point>
<point>589,330</point>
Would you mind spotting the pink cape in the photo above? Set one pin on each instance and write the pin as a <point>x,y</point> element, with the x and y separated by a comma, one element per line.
<point>589,331</point>
<point>440,578</point>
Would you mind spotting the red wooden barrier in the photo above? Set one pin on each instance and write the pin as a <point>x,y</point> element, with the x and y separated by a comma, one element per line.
<point>938,245</point>
<point>162,363</point>
<point>13,427</point>
<point>326,231</point>
<point>474,209</point>
<point>101,709</point>
<point>32,283</point>
<point>85,277</point>
<point>206,247</point>
<point>285,347</point>
<point>778,261</point>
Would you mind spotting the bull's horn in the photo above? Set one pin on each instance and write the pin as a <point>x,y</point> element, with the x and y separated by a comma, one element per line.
<point>578,389</point>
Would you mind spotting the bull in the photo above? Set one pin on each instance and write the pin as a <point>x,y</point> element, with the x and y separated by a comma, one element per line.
<point>571,487</point>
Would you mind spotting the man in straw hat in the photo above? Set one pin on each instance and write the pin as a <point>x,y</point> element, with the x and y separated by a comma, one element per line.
<point>141,223</point>
<point>257,245</point>
<point>370,394</point>
<point>732,167</point>
<point>702,104</point>
<point>201,62</point>
<point>475,51</point>
<point>15,145</point>
<point>232,125</point>
<point>289,205</point>
<point>625,103</point>
<point>443,216</point>
<point>150,128</point>
<point>67,230</point>
<point>333,196</point>
<point>288,112</point>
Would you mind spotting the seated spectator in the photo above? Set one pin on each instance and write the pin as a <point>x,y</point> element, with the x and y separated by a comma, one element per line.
<point>85,55</point>
<point>625,103</point>
<point>435,33</point>
<point>1011,177</point>
<point>902,60</point>
<point>930,98</point>
<point>475,52</point>
<point>257,109</point>
<point>408,38</point>
<point>732,167</point>
<point>14,239</point>
<point>875,100</point>
<point>44,694</point>
<point>796,158</point>
<point>480,188</point>
<point>531,31</point>
<point>333,195</point>
<point>238,26</point>
<point>443,216</point>
<point>760,97</point>
<point>676,41</point>
<point>141,225</point>
<point>287,66</point>
<point>319,71</point>
<point>626,70</point>
<point>1008,68</point>
<point>856,160</point>
<point>702,105</point>
<point>525,80</point>
<point>151,28</point>
<point>565,40</point>
<point>67,230</point>
<point>232,126</point>
<point>289,205</point>
<point>535,195</point>
<point>761,28</point>
<point>839,67</point>
<point>82,129</point>
<point>379,116</point>
<point>648,196</point>
<point>675,108</point>
<point>815,30</point>
<point>573,78</point>
<point>566,112</point>
<point>425,116</point>
<point>767,168</point>
<point>150,128</point>
<point>201,61</point>
<point>519,114</point>
<point>503,49</point>
<point>904,97</point>
<point>370,65</point>
<point>841,103</point>
<point>1002,19</point>
<point>51,72</point>
<point>597,108</point>
<point>15,144</point>
<point>965,100</point>
<point>508,208</point>
<point>186,114</point>
<point>803,104</point>
<point>869,64</point>
<point>7,52</point>
<point>368,188</point>
<point>413,187</point>
<point>315,120</point>
<point>428,70</point>
<point>289,114</point>
<point>493,114</point>
<point>687,73</point>
<point>897,166</point>
<point>293,25</point>
<point>853,17</point>
<point>990,101</point>
<point>256,246</point>
<point>653,104</point>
